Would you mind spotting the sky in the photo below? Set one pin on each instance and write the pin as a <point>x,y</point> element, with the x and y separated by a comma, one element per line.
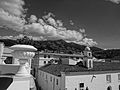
<point>87,22</point>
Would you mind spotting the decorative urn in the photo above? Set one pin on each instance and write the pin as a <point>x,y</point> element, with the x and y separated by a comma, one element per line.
<point>24,55</point>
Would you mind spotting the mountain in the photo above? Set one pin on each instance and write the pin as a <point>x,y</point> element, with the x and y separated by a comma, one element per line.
<point>113,54</point>
<point>59,46</point>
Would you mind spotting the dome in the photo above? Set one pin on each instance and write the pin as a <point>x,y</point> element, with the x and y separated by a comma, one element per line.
<point>23,47</point>
<point>87,48</point>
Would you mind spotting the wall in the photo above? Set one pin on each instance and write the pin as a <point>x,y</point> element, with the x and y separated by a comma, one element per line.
<point>46,83</point>
<point>8,68</point>
<point>72,61</point>
<point>20,83</point>
<point>97,83</point>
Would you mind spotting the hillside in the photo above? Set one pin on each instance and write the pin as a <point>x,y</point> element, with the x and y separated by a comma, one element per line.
<point>113,54</point>
<point>59,46</point>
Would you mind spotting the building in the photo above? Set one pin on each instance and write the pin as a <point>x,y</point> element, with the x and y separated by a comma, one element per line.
<point>42,58</point>
<point>86,75</point>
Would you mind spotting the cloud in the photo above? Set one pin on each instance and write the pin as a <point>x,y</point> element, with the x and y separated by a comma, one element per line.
<point>87,42</point>
<point>33,19</point>
<point>114,1</point>
<point>11,14</point>
<point>13,7</point>
<point>47,27</point>
<point>50,28</point>
<point>10,21</point>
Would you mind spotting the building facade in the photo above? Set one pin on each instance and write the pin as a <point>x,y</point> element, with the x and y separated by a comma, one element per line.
<point>84,75</point>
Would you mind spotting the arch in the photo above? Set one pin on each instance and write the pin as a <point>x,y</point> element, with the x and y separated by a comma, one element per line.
<point>109,88</point>
<point>89,54</point>
<point>87,88</point>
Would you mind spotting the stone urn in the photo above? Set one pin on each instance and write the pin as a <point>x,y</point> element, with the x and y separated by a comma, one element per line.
<point>24,55</point>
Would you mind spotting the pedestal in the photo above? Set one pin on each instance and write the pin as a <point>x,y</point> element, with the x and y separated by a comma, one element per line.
<point>23,70</point>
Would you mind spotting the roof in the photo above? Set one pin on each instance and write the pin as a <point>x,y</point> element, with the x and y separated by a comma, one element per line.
<point>87,48</point>
<point>56,69</point>
<point>62,55</point>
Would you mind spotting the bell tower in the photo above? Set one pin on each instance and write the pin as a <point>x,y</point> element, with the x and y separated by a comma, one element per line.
<point>88,59</point>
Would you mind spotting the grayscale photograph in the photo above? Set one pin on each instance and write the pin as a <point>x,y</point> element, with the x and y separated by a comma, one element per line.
<point>59,44</point>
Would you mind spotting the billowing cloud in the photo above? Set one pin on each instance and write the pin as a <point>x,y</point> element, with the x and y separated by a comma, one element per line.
<point>53,29</point>
<point>13,7</point>
<point>47,27</point>
<point>11,14</point>
<point>114,1</point>
<point>88,41</point>
<point>33,19</point>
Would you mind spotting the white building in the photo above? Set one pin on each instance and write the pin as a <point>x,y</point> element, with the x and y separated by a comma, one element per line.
<point>86,75</point>
<point>41,59</point>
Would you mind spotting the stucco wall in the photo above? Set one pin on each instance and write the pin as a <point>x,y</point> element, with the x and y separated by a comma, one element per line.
<point>8,68</point>
<point>72,61</point>
<point>97,83</point>
<point>47,84</point>
<point>20,84</point>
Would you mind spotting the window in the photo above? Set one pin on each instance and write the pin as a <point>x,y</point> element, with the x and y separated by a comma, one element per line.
<point>81,86</point>
<point>8,60</point>
<point>44,62</point>
<point>89,54</point>
<point>56,81</point>
<point>119,77</point>
<point>56,61</point>
<point>119,87</point>
<point>86,88</point>
<point>75,88</point>
<point>45,56</point>
<point>46,77</point>
<point>85,63</point>
<point>51,79</point>
<point>109,88</point>
<point>48,56</point>
<point>108,78</point>
<point>90,64</point>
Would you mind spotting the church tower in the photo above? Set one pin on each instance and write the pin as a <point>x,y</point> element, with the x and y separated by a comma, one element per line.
<point>88,59</point>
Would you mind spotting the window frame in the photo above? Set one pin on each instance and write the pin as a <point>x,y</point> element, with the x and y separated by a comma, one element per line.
<point>118,77</point>
<point>57,82</point>
<point>108,78</point>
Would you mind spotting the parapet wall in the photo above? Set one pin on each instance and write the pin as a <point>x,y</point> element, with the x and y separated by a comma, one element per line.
<point>8,68</point>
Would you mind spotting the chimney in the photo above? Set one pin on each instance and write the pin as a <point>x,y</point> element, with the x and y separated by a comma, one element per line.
<point>1,51</point>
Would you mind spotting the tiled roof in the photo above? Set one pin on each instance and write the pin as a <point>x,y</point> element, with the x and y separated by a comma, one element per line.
<point>56,69</point>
